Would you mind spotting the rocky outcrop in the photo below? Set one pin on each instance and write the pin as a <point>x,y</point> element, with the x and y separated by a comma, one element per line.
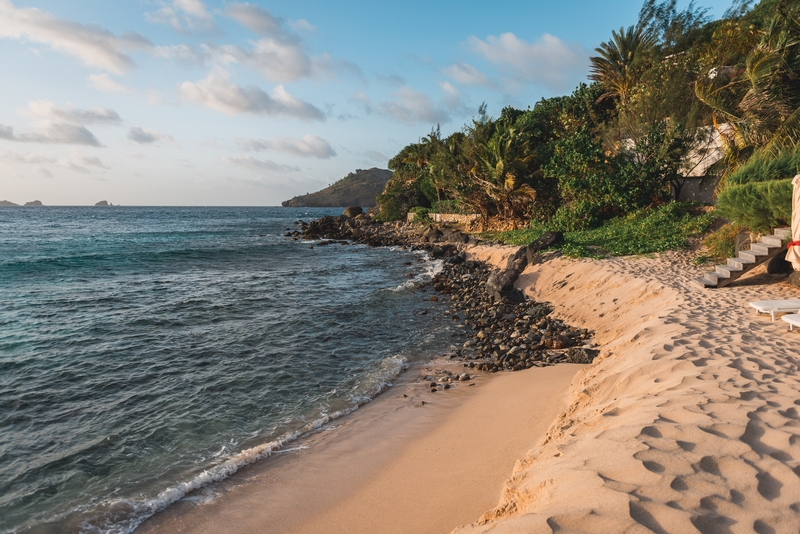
<point>103,203</point>
<point>356,189</point>
<point>505,330</point>
<point>34,203</point>
<point>353,211</point>
<point>7,203</point>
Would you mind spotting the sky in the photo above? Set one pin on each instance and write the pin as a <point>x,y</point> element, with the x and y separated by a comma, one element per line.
<point>233,103</point>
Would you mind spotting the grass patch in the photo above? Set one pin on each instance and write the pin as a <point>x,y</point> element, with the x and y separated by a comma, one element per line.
<point>721,244</point>
<point>666,227</point>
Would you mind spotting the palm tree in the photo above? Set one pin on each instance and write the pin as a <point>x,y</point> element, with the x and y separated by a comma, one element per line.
<point>618,65</point>
<point>759,105</point>
<point>499,170</point>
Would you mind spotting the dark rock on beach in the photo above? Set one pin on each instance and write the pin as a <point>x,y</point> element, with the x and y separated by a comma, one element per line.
<point>543,242</point>
<point>353,211</point>
<point>503,330</point>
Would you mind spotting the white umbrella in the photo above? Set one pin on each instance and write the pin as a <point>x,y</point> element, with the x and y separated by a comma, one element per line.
<point>793,254</point>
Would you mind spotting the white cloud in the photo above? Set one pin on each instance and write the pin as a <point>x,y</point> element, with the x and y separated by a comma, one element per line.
<point>66,134</point>
<point>466,74</point>
<point>549,62</point>
<point>452,98</point>
<point>257,164</point>
<point>77,162</point>
<point>306,147</point>
<point>6,156</point>
<point>182,15</point>
<point>218,93</point>
<point>44,110</point>
<point>145,137</point>
<point>81,163</point>
<point>91,44</point>
<point>302,25</point>
<point>255,18</point>
<point>409,107</point>
<point>104,84</point>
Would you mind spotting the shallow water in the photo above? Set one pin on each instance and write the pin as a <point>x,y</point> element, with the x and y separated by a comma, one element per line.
<point>145,352</point>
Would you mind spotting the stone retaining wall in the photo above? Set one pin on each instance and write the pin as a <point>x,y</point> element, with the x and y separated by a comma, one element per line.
<point>448,218</point>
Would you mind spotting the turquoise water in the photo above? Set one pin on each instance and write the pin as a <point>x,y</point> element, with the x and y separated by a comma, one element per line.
<point>145,352</point>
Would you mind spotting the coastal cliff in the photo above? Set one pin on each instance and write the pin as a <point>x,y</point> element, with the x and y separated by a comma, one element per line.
<point>356,189</point>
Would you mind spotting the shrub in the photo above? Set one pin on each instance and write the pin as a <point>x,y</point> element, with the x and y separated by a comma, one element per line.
<point>449,206</point>
<point>758,206</point>
<point>763,167</point>
<point>421,214</point>
<point>721,243</point>
<point>645,231</point>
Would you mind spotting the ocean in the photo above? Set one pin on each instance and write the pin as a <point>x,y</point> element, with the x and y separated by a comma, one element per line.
<point>147,352</point>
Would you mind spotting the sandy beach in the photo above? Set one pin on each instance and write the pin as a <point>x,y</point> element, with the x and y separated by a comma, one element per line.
<point>410,461</point>
<point>687,422</point>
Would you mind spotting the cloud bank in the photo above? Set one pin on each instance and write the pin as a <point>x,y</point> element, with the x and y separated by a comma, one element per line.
<point>91,44</point>
<point>306,147</point>
<point>218,93</point>
<point>549,62</point>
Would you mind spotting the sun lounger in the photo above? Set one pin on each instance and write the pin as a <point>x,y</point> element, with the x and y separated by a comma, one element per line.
<point>793,319</point>
<point>776,306</point>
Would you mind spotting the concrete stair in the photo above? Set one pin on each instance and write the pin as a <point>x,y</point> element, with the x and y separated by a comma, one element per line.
<point>760,252</point>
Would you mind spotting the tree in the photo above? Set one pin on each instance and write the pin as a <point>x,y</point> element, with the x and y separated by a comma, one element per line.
<point>619,63</point>
<point>756,104</point>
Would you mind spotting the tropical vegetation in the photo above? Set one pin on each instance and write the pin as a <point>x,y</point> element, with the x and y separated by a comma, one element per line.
<point>665,99</point>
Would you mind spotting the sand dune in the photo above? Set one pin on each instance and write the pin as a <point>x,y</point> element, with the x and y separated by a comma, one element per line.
<point>688,421</point>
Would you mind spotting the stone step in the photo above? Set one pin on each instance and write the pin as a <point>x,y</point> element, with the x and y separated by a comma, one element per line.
<point>726,271</point>
<point>783,233</point>
<point>703,283</point>
<point>762,249</point>
<point>739,263</point>
<point>746,259</point>
<point>750,256</point>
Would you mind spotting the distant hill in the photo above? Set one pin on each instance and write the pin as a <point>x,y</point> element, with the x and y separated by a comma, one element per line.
<point>7,203</point>
<point>356,189</point>
<point>34,203</point>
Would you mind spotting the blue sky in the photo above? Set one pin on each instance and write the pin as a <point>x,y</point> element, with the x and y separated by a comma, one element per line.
<point>201,102</point>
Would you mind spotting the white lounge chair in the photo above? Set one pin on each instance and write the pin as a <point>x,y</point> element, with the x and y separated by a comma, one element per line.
<point>793,319</point>
<point>776,306</point>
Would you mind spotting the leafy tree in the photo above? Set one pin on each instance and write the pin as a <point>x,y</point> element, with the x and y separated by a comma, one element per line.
<point>756,104</point>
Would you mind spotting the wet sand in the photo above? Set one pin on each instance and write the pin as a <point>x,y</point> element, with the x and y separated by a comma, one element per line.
<point>393,466</point>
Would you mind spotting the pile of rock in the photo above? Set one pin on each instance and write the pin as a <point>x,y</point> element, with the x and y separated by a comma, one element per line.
<point>507,333</point>
<point>505,330</point>
<point>357,227</point>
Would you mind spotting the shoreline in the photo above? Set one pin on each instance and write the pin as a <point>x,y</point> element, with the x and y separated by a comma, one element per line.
<point>670,429</point>
<point>462,284</point>
<point>408,461</point>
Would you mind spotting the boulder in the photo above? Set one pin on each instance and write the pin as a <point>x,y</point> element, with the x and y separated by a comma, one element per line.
<point>353,211</point>
<point>431,234</point>
<point>581,355</point>
<point>517,261</point>
<point>544,241</point>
